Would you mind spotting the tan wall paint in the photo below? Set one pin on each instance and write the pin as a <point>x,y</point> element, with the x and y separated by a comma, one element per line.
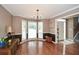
<point>70,28</point>
<point>52,26</point>
<point>5,20</point>
<point>17,24</point>
<point>46,26</point>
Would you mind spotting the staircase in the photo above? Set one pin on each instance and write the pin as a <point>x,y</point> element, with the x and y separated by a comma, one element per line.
<point>76,29</point>
<point>76,35</point>
<point>76,38</point>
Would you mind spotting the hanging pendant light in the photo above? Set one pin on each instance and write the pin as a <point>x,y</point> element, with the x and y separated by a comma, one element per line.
<point>37,14</point>
<point>37,20</point>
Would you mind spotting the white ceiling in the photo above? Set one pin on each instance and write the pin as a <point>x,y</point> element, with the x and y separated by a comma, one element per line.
<point>46,11</point>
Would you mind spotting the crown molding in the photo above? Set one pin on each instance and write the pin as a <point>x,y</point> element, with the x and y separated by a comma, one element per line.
<point>67,11</point>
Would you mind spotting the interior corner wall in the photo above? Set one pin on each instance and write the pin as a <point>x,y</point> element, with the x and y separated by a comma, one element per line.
<point>46,27</point>
<point>5,20</point>
<point>70,28</point>
<point>52,26</point>
<point>17,24</point>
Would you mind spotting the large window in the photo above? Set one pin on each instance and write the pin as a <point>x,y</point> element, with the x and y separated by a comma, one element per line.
<point>24,29</point>
<point>32,29</point>
<point>40,29</point>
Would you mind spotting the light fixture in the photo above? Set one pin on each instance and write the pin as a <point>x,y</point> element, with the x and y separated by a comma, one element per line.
<point>37,14</point>
<point>9,29</point>
<point>37,20</point>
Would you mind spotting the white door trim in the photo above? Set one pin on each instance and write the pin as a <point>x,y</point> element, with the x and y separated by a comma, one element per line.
<point>56,21</point>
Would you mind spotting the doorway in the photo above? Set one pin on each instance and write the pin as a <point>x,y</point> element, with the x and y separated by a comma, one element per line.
<point>60,30</point>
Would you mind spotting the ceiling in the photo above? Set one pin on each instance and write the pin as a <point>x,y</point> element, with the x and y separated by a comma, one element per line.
<point>46,11</point>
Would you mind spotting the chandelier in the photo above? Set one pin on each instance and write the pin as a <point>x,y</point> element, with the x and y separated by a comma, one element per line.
<point>37,13</point>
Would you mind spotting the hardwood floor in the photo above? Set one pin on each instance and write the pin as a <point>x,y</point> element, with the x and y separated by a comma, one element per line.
<point>40,48</point>
<point>45,48</point>
<point>72,49</point>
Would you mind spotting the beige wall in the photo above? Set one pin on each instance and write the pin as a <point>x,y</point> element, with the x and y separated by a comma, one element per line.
<point>17,24</point>
<point>5,20</point>
<point>49,26</point>
<point>46,26</point>
<point>70,28</point>
<point>52,26</point>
